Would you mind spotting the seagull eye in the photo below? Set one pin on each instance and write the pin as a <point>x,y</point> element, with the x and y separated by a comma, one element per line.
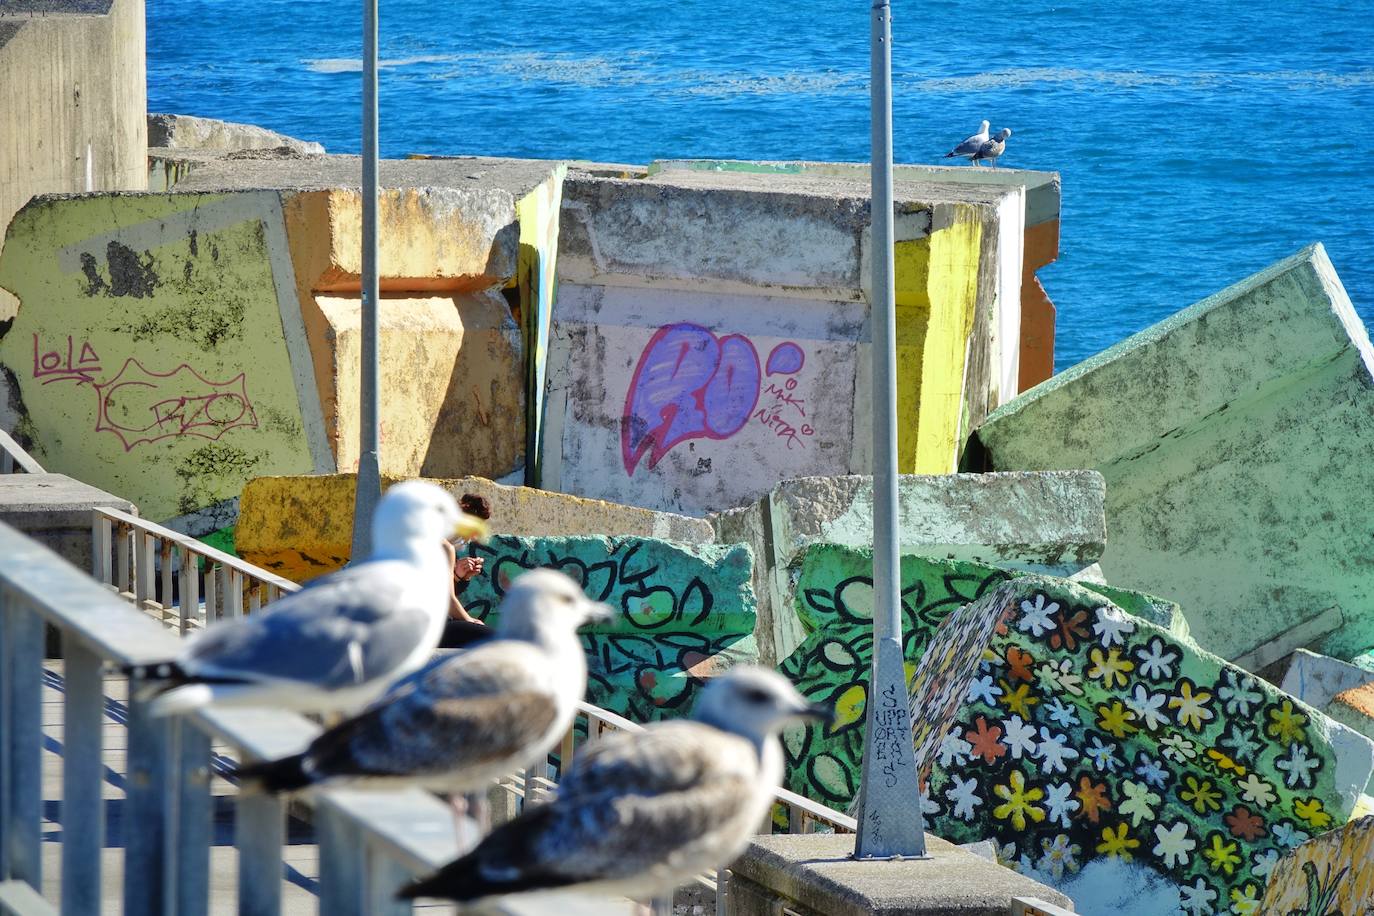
<point>755,695</point>
<point>567,599</point>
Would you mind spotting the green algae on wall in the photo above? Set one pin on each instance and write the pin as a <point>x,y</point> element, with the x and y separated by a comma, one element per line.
<point>686,612</point>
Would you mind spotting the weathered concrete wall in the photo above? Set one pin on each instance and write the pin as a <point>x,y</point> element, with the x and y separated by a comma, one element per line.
<point>72,107</point>
<point>195,270</point>
<point>1235,440</point>
<point>709,332</point>
<point>1041,238</point>
<point>1043,522</point>
<point>302,527</point>
<point>686,612</point>
<point>55,511</point>
<point>182,132</point>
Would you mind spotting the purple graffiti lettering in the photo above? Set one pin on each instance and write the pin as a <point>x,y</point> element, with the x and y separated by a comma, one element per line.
<point>52,366</point>
<point>689,384</point>
<point>786,359</point>
<point>178,403</point>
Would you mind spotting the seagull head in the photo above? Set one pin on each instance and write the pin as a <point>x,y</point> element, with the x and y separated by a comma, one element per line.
<point>545,602</point>
<point>755,703</point>
<point>983,126</point>
<point>1004,133</point>
<point>418,513</point>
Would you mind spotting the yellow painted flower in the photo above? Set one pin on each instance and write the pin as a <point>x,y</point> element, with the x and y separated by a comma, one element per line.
<point>1310,810</point>
<point>1222,855</point>
<point>1019,701</point>
<point>1191,705</point>
<point>1116,843</point>
<point>1111,669</point>
<point>1201,795</point>
<point>1116,719</point>
<point>1245,900</point>
<point>1286,724</point>
<point>1018,802</point>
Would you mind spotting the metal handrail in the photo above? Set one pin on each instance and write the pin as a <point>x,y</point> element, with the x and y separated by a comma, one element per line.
<point>13,458</point>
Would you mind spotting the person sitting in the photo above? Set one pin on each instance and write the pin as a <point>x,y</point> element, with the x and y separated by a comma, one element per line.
<point>462,629</point>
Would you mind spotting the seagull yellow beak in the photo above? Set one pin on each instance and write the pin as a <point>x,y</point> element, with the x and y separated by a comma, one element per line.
<point>470,527</point>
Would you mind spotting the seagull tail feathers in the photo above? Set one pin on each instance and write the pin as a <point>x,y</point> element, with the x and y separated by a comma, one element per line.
<point>460,881</point>
<point>275,776</point>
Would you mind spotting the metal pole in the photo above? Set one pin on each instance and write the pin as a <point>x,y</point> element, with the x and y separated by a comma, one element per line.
<point>890,821</point>
<point>369,430</point>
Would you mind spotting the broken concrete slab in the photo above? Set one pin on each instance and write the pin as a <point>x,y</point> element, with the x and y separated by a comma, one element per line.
<point>302,527</point>
<point>1234,438</point>
<point>55,510</point>
<point>173,131</point>
<point>1317,679</point>
<point>1050,523</point>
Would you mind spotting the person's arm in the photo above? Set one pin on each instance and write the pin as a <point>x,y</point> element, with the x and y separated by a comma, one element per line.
<point>460,570</point>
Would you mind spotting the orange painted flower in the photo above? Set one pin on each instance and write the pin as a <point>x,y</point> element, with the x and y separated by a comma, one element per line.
<point>985,740</point>
<point>1020,662</point>
<point>1070,630</point>
<point>1092,797</point>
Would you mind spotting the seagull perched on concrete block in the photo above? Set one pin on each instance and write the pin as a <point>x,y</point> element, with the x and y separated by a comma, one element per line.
<point>639,814</point>
<point>993,148</point>
<point>337,644</point>
<point>970,145</point>
<point>470,717</point>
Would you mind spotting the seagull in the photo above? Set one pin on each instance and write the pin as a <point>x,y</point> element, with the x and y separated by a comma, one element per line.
<point>993,148</point>
<point>641,813</point>
<point>971,144</point>
<point>470,717</point>
<point>335,645</point>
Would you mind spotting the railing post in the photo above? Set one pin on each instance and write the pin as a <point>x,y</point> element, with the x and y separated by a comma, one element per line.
<point>384,877</point>
<point>148,825</point>
<point>188,601</point>
<point>342,864</point>
<point>189,844</point>
<point>83,775</point>
<point>259,834</point>
<point>21,742</point>
<point>101,566</point>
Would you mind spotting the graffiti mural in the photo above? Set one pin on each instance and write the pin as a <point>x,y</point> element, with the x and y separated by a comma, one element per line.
<point>686,612</point>
<point>1329,875</point>
<point>166,404</point>
<point>691,384</point>
<point>1124,766</point>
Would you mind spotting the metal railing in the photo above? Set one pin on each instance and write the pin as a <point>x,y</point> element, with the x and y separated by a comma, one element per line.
<point>13,458</point>
<point>369,842</point>
<point>174,577</point>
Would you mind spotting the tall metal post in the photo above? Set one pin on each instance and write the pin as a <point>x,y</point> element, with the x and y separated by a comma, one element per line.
<point>369,428</point>
<point>890,821</point>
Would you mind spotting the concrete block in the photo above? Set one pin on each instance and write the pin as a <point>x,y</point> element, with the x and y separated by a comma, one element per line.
<point>173,131</point>
<point>833,595</point>
<point>1126,767</point>
<point>55,510</point>
<point>816,875</point>
<point>710,339</point>
<point>1331,873</point>
<point>302,527</point>
<point>1049,523</point>
<point>1316,679</point>
<point>1041,239</point>
<point>1234,438</point>
<point>686,612</point>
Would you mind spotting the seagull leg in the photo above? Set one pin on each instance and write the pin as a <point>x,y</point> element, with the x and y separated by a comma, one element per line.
<point>465,827</point>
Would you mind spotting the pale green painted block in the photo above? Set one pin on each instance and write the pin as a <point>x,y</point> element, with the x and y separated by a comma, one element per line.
<point>1235,440</point>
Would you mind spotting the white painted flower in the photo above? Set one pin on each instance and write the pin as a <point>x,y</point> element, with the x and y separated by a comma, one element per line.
<point>1059,799</point>
<point>1256,791</point>
<point>1299,766</point>
<point>983,690</point>
<point>1060,856</point>
<point>1006,855</point>
<point>954,749</point>
<point>1047,676</point>
<point>1197,898</point>
<point>1112,626</point>
<point>930,806</point>
<point>1238,693</point>
<point>1054,751</point>
<point>1147,707</point>
<point>1174,844</point>
<point>1060,676</point>
<point>1020,737</point>
<point>1140,802</point>
<point>1035,616</point>
<point>964,794</point>
<point>1061,713</point>
<point>1287,833</point>
<point>1157,660</point>
<point>1177,748</point>
<point>1242,742</point>
<point>1264,863</point>
<point>1151,770</point>
<point>1102,755</point>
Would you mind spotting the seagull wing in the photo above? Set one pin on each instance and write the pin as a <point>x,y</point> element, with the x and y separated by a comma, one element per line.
<point>471,710</point>
<point>352,627</point>
<point>628,808</point>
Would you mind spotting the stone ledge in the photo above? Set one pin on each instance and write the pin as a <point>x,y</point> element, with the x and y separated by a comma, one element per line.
<point>813,874</point>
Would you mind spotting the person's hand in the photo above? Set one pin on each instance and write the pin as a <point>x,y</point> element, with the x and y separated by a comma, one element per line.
<point>466,568</point>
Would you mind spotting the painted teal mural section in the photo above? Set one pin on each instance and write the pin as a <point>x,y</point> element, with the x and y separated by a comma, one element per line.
<point>686,612</point>
<point>834,598</point>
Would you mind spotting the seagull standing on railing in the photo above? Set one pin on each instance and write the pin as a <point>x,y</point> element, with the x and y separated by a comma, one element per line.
<point>471,717</point>
<point>970,145</point>
<point>640,814</point>
<point>337,644</point>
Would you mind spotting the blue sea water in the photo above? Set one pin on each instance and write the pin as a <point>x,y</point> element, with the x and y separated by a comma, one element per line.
<point>1197,142</point>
